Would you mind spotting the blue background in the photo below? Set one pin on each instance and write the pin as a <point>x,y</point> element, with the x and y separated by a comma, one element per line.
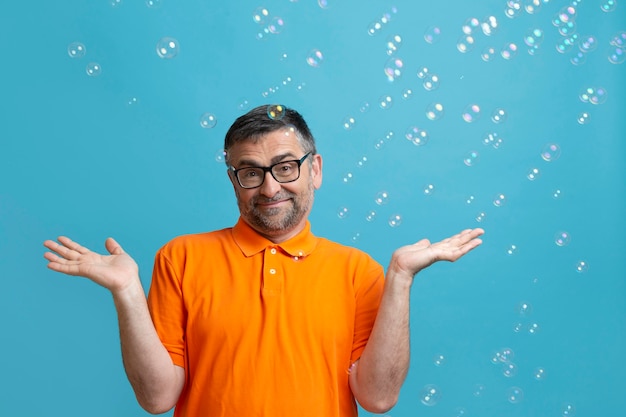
<point>123,154</point>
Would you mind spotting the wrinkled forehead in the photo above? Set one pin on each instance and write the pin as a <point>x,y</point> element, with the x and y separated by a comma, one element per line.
<point>280,141</point>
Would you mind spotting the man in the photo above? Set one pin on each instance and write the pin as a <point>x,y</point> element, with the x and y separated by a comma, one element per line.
<point>264,318</point>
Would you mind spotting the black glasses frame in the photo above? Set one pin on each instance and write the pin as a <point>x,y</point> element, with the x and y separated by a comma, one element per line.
<point>270,170</point>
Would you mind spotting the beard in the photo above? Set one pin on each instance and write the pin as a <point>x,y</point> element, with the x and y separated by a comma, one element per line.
<point>277,220</point>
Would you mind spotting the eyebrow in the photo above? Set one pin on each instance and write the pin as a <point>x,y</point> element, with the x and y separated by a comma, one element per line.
<point>276,159</point>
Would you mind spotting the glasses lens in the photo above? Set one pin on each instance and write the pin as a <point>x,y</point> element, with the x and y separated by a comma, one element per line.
<point>250,177</point>
<point>286,171</point>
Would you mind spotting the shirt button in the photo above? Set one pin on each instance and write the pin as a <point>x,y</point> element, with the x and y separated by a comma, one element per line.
<point>273,251</point>
<point>272,271</point>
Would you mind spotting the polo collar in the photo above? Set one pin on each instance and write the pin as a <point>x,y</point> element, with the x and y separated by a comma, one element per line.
<point>251,242</point>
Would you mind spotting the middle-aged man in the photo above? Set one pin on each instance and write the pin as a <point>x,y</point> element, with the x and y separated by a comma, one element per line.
<point>264,318</point>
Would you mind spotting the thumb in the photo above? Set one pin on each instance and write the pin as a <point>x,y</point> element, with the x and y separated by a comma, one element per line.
<point>113,247</point>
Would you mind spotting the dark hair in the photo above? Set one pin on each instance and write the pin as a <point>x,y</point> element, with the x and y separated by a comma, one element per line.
<point>266,119</point>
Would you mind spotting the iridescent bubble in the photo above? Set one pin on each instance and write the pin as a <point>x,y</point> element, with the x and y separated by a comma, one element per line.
<point>568,410</point>
<point>509,51</point>
<point>550,152</point>
<point>407,94</point>
<point>76,50</point>
<point>395,220</point>
<point>260,15</point>
<point>432,34</point>
<point>567,29</point>
<point>470,25</point>
<point>416,135</point>
<point>167,48</point>
<point>471,113</point>
<point>499,200</point>
<point>557,194</point>
<point>116,3</point>
<point>315,58</point>
<point>263,34</point>
<point>471,158</point>
<point>480,217</point>
<point>469,199</point>
<point>220,156</point>
<point>533,328</point>
<point>532,6</point>
<point>465,43</point>
<point>431,82</point>
<point>348,123</point>
<point>583,118</point>
<point>505,354</point>
<point>511,250</point>
<point>533,37</point>
<point>370,216</point>
<point>488,54</point>
<point>434,111</point>
<point>539,374</point>
<point>393,43</point>
<point>499,116</point>
<point>429,189</point>
<point>524,309</point>
<point>578,58</point>
<point>276,25</point>
<point>517,327</point>
<point>385,102</point>
<point>324,4</point>
<point>422,72</point>
<point>617,55</point>
<point>565,45</point>
<point>364,107</point>
<point>562,238</point>
<point>599,96</point>
<point>430,395</point>
<point>276,111</point>
<point>588,43</point>
<point>489,26</point>
<point>93,69</point>
<point>567,14</point>
<point>343,212</point>
<point>608,5</point>
<point>439,360</point>
<point>619,40</point>
<point>208,120</point>
<point>382,197</point>
<point>512,12</point>
<point>514,395</point>
<point>153,4</point>
<point>373,28</point>
<point>533,174</point>
<point>393,69</point>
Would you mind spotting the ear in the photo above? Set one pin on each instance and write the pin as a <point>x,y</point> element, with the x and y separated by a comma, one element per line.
<point>232,179</point>
<point>316,171</point>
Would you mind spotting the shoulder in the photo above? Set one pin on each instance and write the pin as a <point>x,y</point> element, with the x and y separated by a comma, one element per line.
<point>333,250</point>
<point>196,241</point>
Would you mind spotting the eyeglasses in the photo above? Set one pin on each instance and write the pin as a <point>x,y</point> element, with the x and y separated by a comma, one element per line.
<point>282,172</point>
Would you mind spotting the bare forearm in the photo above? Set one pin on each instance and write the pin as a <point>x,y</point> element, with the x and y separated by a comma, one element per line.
<point>157,382</point>
<point>383,366</point>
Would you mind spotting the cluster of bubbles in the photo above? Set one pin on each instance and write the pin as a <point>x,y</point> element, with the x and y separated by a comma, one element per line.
<point>488,27</point>
<point>377,25</point>
<point>430,80</point>
<point>77,50</point>
<point>270,25</point>
<point>417,136</point>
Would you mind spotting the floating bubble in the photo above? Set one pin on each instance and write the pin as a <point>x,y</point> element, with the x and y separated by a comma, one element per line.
<point>422,72</point>
<point>469,199</point>
<point>276,111</point>
<point>416,135</point>
<point>93,69</point>
<point>479,390</point>
<point>471,113</point>
<point>379,144</point>
<point>382,197</point>
<point>517,327</point>
<point>355,237</point>
<point>514,395</point>
<point>431,82</point>
<point>608,6</point>
<point>499,200</point>
<point>471,158</point>
<point>568,410</point>
<point>539,374</point>
<point>533,174</point>
<point>509,51</point>
<point>276,25</point>
<point>583,118</point>
<point>260,15</point>
<point>480,217</point>
<point>557,194</point>
<point>393,69</point>
<point>153,4</point>
<point>361,162</point>
<point>512,12</point>
<point>533,328</point>
<point>220,156</point>
<point>550,152</point>
<point>395,220</point>
<point>619,40</point>
<point>343,212</point>
<point>567,14</point>
<point>562,238</point>
<point>470,25</point>
<point>565,45</point>
<point>244,104</point>
<point>434,111</point>
<point>567,29</point>
<point>393,43</point>
<point>588,43</point>
<point>599,96</point>
<point>533,50</point>
<point>582,266</point>
<point>385,102</point>
<point>133,101</point>
<point>511,250</point>
<point>489,26</point>
<point>347,178</point>
<point>348,123</point>
<point>499,116</point>
<point>116,3</point>
<point>617,55</point>
<point>263,34</point>
<point>315,58</point>
<point>373,28</point>
<point>364,107</point>
<point>532,6</point>
<point>430,395</point>
<point>429,189</point>
<point>208,120</point>
<point>324,4</point>
<point>465,43</point>
<point>407,93</point>
<point>167,48</point>
<point>524,309</point>
<point>432,34</point>
<point>578,58</point>
<point>534,37</point>
<point>488,54</point>
<point>370,216</point>
<point>459,412</point>
<point>439,360</point>
<point>76,50</point>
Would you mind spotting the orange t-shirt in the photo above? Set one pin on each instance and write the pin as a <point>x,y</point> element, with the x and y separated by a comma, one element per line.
<point>264,329</point>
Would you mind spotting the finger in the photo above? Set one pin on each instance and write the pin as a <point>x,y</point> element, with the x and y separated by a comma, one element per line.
<point>69,243</point>
<point>113,247</point>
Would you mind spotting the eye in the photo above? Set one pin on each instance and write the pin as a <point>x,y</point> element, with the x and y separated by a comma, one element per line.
<point>249,173</point>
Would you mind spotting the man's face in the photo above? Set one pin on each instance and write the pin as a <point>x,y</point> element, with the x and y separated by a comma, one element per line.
<point>276,210</point>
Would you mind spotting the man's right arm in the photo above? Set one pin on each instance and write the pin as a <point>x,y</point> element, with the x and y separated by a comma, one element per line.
<point>157,382</point>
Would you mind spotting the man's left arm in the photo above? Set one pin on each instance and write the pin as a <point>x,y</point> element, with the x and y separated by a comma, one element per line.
<point>378,375</point>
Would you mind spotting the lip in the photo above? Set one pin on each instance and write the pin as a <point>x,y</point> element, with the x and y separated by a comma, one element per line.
<point>273,204</point>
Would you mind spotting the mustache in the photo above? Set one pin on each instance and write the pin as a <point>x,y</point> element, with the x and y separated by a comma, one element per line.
<point>278,197</point>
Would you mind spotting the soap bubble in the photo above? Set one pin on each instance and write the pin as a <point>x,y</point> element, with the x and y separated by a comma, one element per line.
<point>557,194</point>
<point>315,58</point>
<point>480,217</point>
<point>551,152</point>
<point>465,43</point>
<point>579,58</point>
<point>385,102</point>
<point>499,116</point>
<point>116,3</point>
<point>617,55</point>
<point>514,395</point>
<point>618,40</point>
<point>539,374</point>
<point>430,395</point>
<point>608,5</point>
<point>76,50</point>
<point>511,250</point>
<point>533,6</point>
<point>370,216</point>
<point>343,212</point>
<point>393,43</point>
<point>416,135</point>
<point>439,360</point>
<point>583,118</point>
<point>382,198</point>
<point>568,410</point>
<point>533,328</point>
<point>434,111</point>
<point>582,267</point>
<point>407,93</point>
<point>562,238</point>
<point>276,25</point>
<point>470,25</point>
<point>260,15</point>
<point>395,220</point>
<point>524,309</point>
<point>588,44</point>
<point>422,72</point>
<point>393,69</point>
<point>208,120</point>
<point>479,390</point>
<point>471,113</point>
<point>509,51</point>
<point>153,4</point>
<point>93,69</point>
<point>429,189</point>
<point>470,199</point>
<point>220,156</point>
<point>471,158</point>
<point>488,54</point>
<point>167,48</point>
<point>431,82</point>
<point>533,174</point>
<point>499,200</point>
<point>432,34</point>
<point>347,178</point>
<point>489,26</point>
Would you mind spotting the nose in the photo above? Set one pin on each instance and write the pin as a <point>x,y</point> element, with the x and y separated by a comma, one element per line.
<point>270,186</point>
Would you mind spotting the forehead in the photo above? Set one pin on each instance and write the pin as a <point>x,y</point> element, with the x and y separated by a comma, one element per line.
<point>267,146</point>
